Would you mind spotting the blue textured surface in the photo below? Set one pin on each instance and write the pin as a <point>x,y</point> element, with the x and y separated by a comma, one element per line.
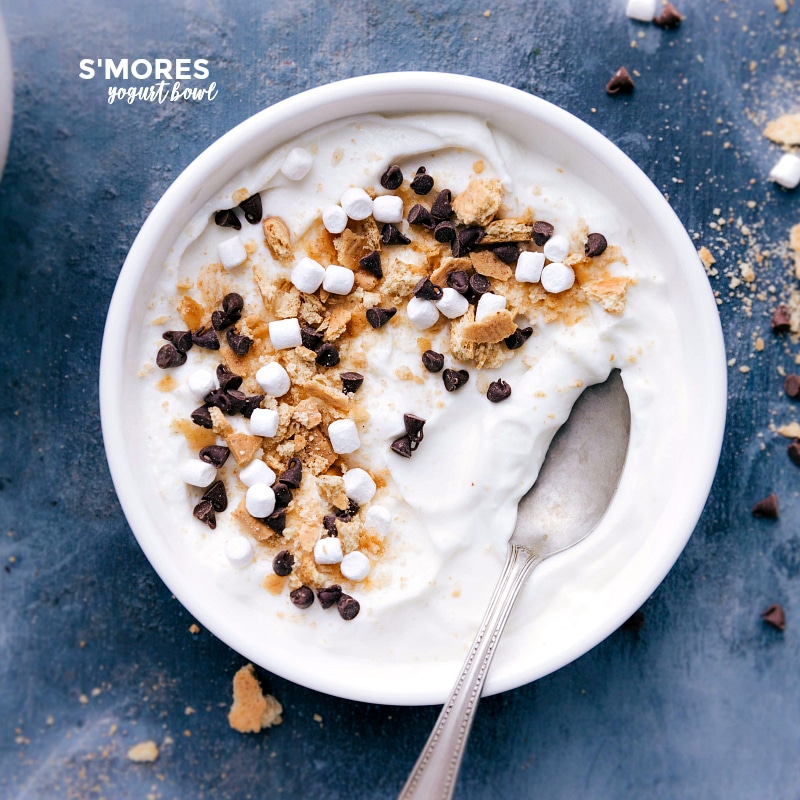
<point>702,702</point>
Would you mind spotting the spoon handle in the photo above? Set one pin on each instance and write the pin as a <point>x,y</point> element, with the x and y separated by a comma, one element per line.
<point>435,773</point>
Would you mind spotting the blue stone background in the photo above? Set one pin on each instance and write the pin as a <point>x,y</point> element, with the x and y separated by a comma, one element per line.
<point>702,702</point>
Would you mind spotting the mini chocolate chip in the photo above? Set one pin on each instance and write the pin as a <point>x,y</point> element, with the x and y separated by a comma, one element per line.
<point>445,232</point>
<point>620,83</point>
<point>217,496</point>
<point>181,339</point>
<point>441,207</point>
<point>202,417</point>
<point>310,338</point>
<point>232,303</point>
<point>419,215</point>
<point>329,523</point>
<point>215,454</point>
<point>767,508</point>
<point>345,515</point>
<point>479,284</point>
<point>432,361</point>
<point>351,382</point>
<point>227,219</point>
<point>393,178</point>
<point>518,338</point>
<point>390,234</point>
<point>283,563</point>
<point>596,244</point>
<point>206,337</point>
<point>327,355</point>
<point>542,231</point>
<point>220,320</point>
<point>669,18</point>
<point>458,280</point>
<point>454,379</point>
<point>781,321</point>
<point>239,343</point>
<point>498,391</point>
<point>422,183</point>
<point>372,264</point>
<point>348,607</point>
<point>329,595</point>
<point>204,511</point>
<point>218,398</point>
<point>414,426</point>
<point>508,252</point>
<point>277,520</point>
<point>402,446</point>
<point>251,403</point>
<point>378,317</point>
<point>792,385</point>
<point>252,208</point>
<point>283,494</point>
<point>237,401</point>
<point>426,290</point>
<point>302,597</point>
<point>227,379</point>
<point>293,474</point>
<point>794,452</point>
<point>169,356</point>
<point>466,240</point>
<point>774,615</point>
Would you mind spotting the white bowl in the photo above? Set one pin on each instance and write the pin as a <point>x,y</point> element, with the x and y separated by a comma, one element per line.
<point>618,590</point>
<point>6,95</point>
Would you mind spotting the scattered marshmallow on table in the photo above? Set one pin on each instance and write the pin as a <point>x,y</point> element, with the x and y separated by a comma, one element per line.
<point>452,304</point>
<point>273,379</point>
<point>556,248</point>
<point>378,519</point>
<point>297,164</point>
<point>488,304</point>
<point>259,500</point>
<point>257,472</point>
<point>359,486</point>
<point>557,277</point>
<point>307,275</point>
<point>285,333</point>
<point>642,10</point>
<point>387,208</point>
<point>338,280</point>
<point>357,204</point>
<point>355,566</point>
<point>328,550</point>
<point>201,382</point>
<point>334,219</point>
<point>197,473</point>
<point>529,267</point>
<point>343,436</point>
<point>786,172</point>
<point>239,551</point>
<point>264,422</point>
<point>422,313</point>
<point>231,252</point>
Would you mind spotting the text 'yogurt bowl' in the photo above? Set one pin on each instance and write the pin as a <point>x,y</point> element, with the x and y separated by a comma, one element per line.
<point>452,503</point>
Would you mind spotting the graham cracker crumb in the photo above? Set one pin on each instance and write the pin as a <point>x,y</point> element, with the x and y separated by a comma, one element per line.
<point>487,263</point>
<point>460,346</point>
<point>331,490</point>
<point>491,329</point>
<point>144,752</point>
<point>194,629</point>
<point>240,195</point>
<point>479,202</point>
<point>784,130</point>
<point>352,247</point>
<point>449,264</point>
<point>508,230</point>
<point>252,710</point>
<point>192,313</point>
<point>278,238</point>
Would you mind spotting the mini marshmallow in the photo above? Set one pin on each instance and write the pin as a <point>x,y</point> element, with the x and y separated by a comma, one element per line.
<point>529,267</point>
<point>642,10</point>
<point>359,486</point>
<point>452,304</point>
<point>338,280</point>
<point>344,436</point>
<point>355,566</point>
<point>556,248</point>
<point>307,275</point>
<point>423,313</point>
<point>328,550</point>
<point>231,252</point>
<point>387,208</point>
<point>201,382</point>
<point>239,551</point>
<point>257,472</point>
<point>297,164</point>
<point>334,219</point>
<point>259,500</point>
<point>488,304</point>
<point>197,473</point>
<point>786,172</point>
<point>273,379</point>
<point>285,333</point>
<point>264,422</point>
<point>378,519</point>
<point>357,204</point>
<point>557,277</point>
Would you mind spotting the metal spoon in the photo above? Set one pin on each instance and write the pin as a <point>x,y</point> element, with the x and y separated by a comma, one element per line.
<point>575,485</point>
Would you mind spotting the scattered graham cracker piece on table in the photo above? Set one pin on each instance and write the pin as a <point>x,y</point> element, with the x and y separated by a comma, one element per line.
<point>784,130</point>
<point>790,431</point>
<point>144,752</point>
<point>479,202</point>
<point>278,238</point>
<point>252,710</point>
<point>508,230</point>
<point>794,243</point>
<point>491,329</point>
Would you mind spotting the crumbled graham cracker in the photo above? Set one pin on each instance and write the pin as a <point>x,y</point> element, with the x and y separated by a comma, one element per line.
<point>278,238</point>
<point>219,423</point>
<point>609,292</point>
<point>784,130</point>
<point>485,262</point>
<point>319,388</point>
<point>213,285</point>
<point>491,329</point>
<point>306,412</point>
<point>491,355</point>
<point>351,247</point>
<point>252,710</point>
<point>349,534</point>
<point>240,195</point>
<point>243,446</point>
<point>479,202</point>
<point>462,348</point>
<point>399,279</point>
<point>508,230</point>
<point>192,313</point>
<point>447,265</point>
<point>335,323</point>
<point>287,302</point>
<point>144,752</point>
<point>794,243</point>
<point>331,490</point>
<point>260,531</point>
